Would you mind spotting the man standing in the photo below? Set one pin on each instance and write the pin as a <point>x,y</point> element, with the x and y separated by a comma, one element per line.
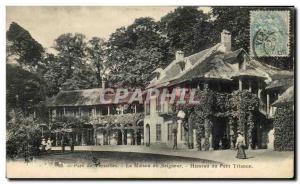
<point>72,145</point>
<point>175,136</point>
<point>43,145</point>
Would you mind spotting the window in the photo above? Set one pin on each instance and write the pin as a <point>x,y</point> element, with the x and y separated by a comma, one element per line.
<point>104,110</point>
<point>158,104</point>
<point>98,111</point>
<point>139,108</point>
<point>158,132</point>
<point>147,108</point>
<point>170,128</point>
<point>60,112</point>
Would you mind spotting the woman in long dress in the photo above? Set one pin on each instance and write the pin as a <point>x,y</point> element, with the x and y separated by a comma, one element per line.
<point>240,145</point>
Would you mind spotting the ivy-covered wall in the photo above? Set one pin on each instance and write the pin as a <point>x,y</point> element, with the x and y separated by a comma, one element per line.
<point>284,129</point>
<point>237,107</point>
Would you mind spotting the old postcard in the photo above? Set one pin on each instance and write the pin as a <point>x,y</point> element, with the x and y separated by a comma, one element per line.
<point>150,92</point>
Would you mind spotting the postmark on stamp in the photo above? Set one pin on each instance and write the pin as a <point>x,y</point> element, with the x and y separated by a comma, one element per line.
<point>269,33</point>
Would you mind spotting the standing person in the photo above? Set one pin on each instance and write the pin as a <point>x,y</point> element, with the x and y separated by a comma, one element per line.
<point>71,145</point>
<point>240,145</point>
<point>43,145</point>
<point>175,137</point>
<point>63,142</point>
<point>49,144</point>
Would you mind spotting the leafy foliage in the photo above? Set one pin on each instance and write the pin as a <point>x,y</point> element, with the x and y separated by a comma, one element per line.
<point>284,129</point>
<point>243,106</point>
<point>135,52</point>
<point>238,107</point>
<point>23,136</point>
<point>121,119</point>
<point>70,69</point>
<point>97,56</point>
<point>21,46</point>
<point>23,89</point>
<point>185,28</point>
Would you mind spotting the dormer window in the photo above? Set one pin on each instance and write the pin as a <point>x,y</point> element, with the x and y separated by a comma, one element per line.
<point>243,62</point>
<point>159,72</point>
<point>181,65</point>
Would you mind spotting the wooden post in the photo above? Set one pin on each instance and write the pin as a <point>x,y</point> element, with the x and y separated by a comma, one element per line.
<point>268,104</point>
<point>94,112</point>
<point>128,140</point>
<point>122,109</point>
<point>56,138</point>
<point>136,136</point>
<point>259,90</point>
<point>76,137</point>
<point>50,114</point>
<point>64,111</point>
<point>179,126</point>
<point>53,113</point>
<point>205,85</point>
<point>210,140</point>
<point>82,137</point>
<point>108,110</point>
<point>123,137</point>
<point>250,85</point>
<point>95,135</point>
<point>103,136</point>
<point>194,139</point>
<point>88,136</point>
<point>240,84</point>
<point>135,108</point>
<point>231,134</point>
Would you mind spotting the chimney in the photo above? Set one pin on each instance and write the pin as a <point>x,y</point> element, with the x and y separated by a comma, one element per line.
<point>226,40</point>
<point>179,55</point>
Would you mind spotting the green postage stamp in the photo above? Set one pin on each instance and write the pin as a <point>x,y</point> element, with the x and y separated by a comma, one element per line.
<point>269,33</point>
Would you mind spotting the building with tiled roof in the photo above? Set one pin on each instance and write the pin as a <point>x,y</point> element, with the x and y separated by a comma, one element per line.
<point>222,70</point>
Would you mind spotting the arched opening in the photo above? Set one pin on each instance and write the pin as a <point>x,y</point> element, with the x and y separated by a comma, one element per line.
<point>147,135</point>
<point>139,132</point>
<point>119,141</point>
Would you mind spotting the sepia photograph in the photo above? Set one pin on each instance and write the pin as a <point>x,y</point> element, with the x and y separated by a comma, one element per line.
<point>150,92</point>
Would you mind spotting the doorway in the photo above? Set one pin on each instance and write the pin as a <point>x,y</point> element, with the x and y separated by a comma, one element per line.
<point>147,135</point>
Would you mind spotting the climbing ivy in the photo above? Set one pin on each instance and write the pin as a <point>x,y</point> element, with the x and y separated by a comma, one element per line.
<point>237,106</point>
<point>284,129</point>
<point>242,106</point>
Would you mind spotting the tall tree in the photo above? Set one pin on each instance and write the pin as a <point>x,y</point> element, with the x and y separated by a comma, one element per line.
<point>97,56</point>
<point>23,89</point>
<point>236,20</point>
<point>187,29</point>
<point>134,52</point>
<point>23,48</point>
<point>70,69</point>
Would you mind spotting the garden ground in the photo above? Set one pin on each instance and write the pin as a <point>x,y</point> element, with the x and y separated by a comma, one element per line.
<point>120,162</point>
<point>224,156</point>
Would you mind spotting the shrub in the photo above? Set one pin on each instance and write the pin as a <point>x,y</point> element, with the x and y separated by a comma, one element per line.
<point>284,129</point>
<point>23,136</point>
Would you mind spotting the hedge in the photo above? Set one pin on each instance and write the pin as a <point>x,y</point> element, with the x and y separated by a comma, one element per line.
<point>284,129</point>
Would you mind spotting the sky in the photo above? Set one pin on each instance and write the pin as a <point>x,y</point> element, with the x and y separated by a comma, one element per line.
<point>47,23</point>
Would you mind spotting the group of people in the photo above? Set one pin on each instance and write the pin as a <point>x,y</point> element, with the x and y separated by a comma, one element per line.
<point>46,145</point>
<point>240,145</point>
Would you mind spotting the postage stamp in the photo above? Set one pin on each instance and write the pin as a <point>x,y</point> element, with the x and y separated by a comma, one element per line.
<point>269,33</point>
